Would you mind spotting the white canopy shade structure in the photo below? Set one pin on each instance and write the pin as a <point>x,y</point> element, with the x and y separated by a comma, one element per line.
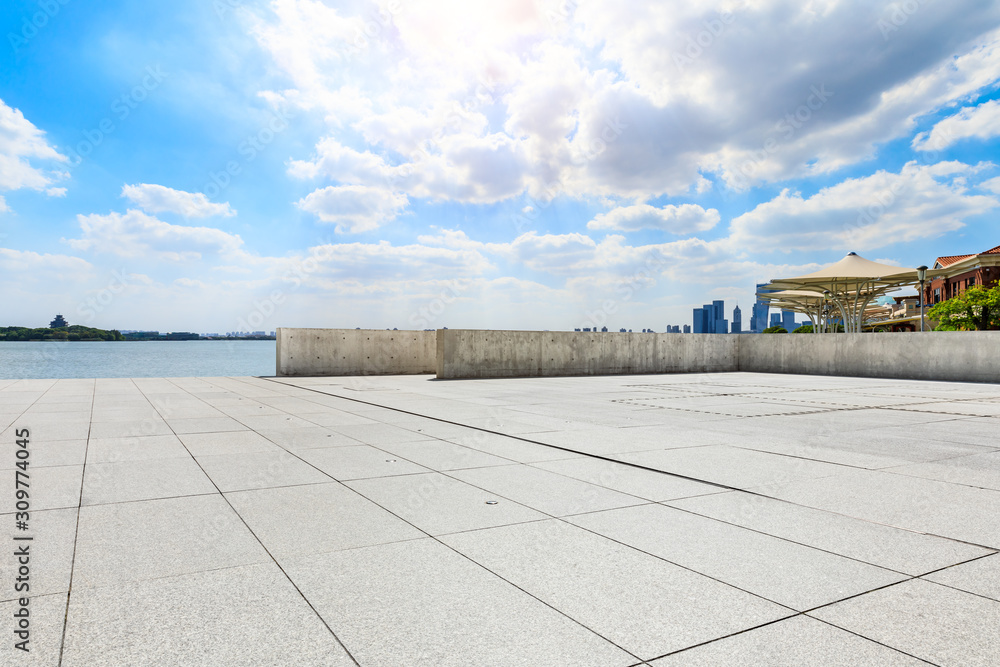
<point>850,285</point>
<point>815,306</point>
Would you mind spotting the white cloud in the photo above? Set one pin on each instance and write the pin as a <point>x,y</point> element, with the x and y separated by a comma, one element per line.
<point>55,192</point>
<point>3,205</point>
<point>992,185</point>
<point>683,219</point>
<point>982,122</point>
<point>20,141</point>
<point>354,208</point>
<point>135,234</point>
<point>438,104</point>
<point>40,267</point>
<point>864,213</point>
<point>158,198</point>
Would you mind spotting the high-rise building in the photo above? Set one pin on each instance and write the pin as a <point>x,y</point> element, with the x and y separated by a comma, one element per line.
<point>775,320</point>
<point>737,320</point>
<point>699,320</point>
<point>788,320</point>
<point>687,328</point>
<point>758,316</point>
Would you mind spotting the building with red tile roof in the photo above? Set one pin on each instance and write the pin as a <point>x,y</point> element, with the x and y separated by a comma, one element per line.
<point>960,272</point>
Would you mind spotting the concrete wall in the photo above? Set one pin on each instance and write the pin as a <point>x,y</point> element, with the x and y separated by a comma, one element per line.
<point>963,356</point>
<point>972,356</point>
<point>464,353</point>
<point>306,352</point>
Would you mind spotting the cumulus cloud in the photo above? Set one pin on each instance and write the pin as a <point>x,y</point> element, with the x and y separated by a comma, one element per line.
<point>683,219</point>
<point>25,263</point>
<point>135,234</point>
<point>921,201</point>
<point>630,100</point>
<point>20,143</point>
<point>982,122</point>
<point>354,208</point>
<point>3,205</point>
<point>158,199</point>
<point>991,185</point>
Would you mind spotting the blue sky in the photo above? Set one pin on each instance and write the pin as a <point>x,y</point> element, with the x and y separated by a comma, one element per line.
<point>218,165</point>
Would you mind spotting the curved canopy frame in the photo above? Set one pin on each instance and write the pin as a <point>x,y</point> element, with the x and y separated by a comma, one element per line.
<point>850,285</point>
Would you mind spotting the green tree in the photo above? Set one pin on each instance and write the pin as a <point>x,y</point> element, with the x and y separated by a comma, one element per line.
<point>776,329</point>
<point>975,309</point>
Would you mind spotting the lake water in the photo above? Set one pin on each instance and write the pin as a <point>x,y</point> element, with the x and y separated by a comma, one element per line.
<point>182,358</point>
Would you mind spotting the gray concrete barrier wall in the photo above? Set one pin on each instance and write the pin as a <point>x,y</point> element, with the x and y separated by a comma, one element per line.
<point>318,352</point>
<point>465,353</point>
<point>961,356</point>
<point>972,356</point>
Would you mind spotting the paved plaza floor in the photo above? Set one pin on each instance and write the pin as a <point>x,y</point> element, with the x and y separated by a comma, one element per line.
<point>662,520</point>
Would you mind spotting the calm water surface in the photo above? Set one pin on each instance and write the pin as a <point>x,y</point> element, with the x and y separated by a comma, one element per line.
<point>182,358</point>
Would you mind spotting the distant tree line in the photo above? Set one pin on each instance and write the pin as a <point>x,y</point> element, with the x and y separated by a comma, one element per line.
<point>72,333</point>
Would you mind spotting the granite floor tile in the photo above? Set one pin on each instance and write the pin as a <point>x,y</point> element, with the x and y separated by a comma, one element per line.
<point>47,614</point>
<point>628,479</point>
<point>655,609</point>
<point>420,603</point>
<point>258,470</point>
<point>731,466</point>
<point>307,438</point>
<point>892,548</point>
<point>359,462</point>
<point>515,449</point>
<point>793,642</point>
<point>921,505</point>
<point>232,442</point>
<point>439,504</point>
<point>317,518</point>
<point>546,491</point>
<point>45,453</point>
<point>791,574</point>
<point>443,455</point>
<point>165,537</point>
<point>125,481</point>
<point>205,425</point>
<point>50,488</point>
<point>51,553</point>
<point>981,577</point>
<point>220,617</point>
<point>979,470</point>
<point>932,622</point>
<point>139,448</point>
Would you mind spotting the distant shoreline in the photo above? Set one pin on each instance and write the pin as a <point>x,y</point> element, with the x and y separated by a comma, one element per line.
<point>134,340</point>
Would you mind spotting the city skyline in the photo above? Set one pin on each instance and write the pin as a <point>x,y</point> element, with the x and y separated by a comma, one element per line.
<point>532,165</point>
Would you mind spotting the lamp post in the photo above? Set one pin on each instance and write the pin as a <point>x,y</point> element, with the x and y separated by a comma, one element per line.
<point>826,311</point>
<point>921,276</point>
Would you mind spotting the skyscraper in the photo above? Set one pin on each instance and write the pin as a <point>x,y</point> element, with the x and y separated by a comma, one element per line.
<point>737,320</point>
<point>758,316</point>
<point>788,320</point>
<point>699,321</point>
